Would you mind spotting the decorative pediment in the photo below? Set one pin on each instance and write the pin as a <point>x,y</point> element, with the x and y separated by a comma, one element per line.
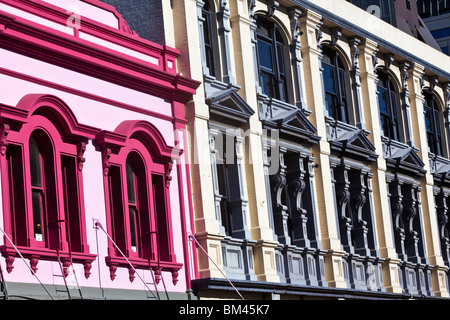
<point>294,125</point>
<point>442,174</point>
<point>406,160</point>
<point>354,144</point>
<point>229,105</point>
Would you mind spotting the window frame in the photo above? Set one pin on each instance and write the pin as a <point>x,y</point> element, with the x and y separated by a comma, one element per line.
<point>209,43</point>
<point>50,118</point>
<point>434,135</point>
<point>278,74</point>
<point>341,110</point>
<point>143,140</point>
<point>392,104</point>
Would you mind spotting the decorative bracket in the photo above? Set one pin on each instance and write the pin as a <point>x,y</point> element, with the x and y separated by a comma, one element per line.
<point>4,131</point>
<point>388,60</point>
<point>272,5</point>
<point>80,156</point>
<point>336,34</point>
<point>169,167</point>
<point>106,155</point>
<point>433,82</point>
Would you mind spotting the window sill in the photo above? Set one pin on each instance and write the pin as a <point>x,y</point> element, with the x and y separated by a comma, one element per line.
<point>36,254</point>
<point>114,262</point>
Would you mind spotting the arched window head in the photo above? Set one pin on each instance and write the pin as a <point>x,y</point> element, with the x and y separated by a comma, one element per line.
<point>390,120</point>
<point>271,60</point>
<point>433,124</point>
<point>334,78</point>
<point>137,179</point>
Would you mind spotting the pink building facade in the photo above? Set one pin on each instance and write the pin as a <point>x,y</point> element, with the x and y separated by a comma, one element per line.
<point>94,178</point>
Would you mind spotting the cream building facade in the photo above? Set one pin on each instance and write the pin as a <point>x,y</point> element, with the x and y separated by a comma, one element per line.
<point>319,148</point>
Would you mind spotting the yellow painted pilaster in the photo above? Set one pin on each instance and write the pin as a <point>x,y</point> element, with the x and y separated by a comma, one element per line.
<point>309,24</point>
<point>428,210</point>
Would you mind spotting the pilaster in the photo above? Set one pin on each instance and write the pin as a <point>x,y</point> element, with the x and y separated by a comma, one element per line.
<point>368,62</point>
<point>310,25</point>
<point>430,219</point>
<point>241,16</point>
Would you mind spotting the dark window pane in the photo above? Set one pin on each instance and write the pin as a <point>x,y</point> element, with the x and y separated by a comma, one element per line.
<point>130,184</point>
<point>35,164</point>
<point>265,55</point>
<point>132,212</point>
<point>267,84</point>
<point>383,100</point>
<point>37,214</point>
<point>328,78</point>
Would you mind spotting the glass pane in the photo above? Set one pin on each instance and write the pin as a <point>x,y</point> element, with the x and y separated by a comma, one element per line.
<point>330,102</point>
<point>385,125</point>
<point>130,184</point>
<point>281,64</point>
<point>437,124</point>
<point>35,164</point>
<point>267,84</point>
<point>262,30</point>
<point>342,83</point>
<point>37,214</point>
<point>428,124</point>
<point>382,100</point>
<point>132,211</point>
<point>265,55</point>
<point>328,78</point>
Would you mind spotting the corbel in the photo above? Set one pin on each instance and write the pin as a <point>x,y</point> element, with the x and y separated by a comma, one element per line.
<point>33,263</point>
<point>354,43</point>
<point>106,156</point>
<point>174,277</point>
<point>375,59</point>
<point>168,170</point>
<point>388,60</point>
<point>80,155</point>
<point>87,269</point>
<point>336,34</point>
<point>433,82</point>
<point>251,8</point>
<point>112,271</point>
<point>4,131</point>
<point>404,66</point>
<point>272,5</point>
<point>294,14</point>
<point>131,273</point>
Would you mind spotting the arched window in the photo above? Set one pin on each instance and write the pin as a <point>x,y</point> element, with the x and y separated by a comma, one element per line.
<point>42,178</point>
<point>387,103</point>
<point>209,38</point>
<point>432,124</point>
<point>137,180</point>
<point>334,79</point>
<point>271,60</point>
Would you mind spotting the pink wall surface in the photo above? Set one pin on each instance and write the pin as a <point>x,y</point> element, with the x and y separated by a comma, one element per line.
<point>107,76</point>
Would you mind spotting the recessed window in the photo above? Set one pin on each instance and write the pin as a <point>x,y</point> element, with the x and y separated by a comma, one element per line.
<point>209,44</point>
<point>271,60</point>
<point>432,124</point>
<point>387,104</point>
<point>44,216</point>
<point>334,78</point>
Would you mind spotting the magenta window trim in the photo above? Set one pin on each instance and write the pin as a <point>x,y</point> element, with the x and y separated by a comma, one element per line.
<point>52,123</point>
<point>141,144</point>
